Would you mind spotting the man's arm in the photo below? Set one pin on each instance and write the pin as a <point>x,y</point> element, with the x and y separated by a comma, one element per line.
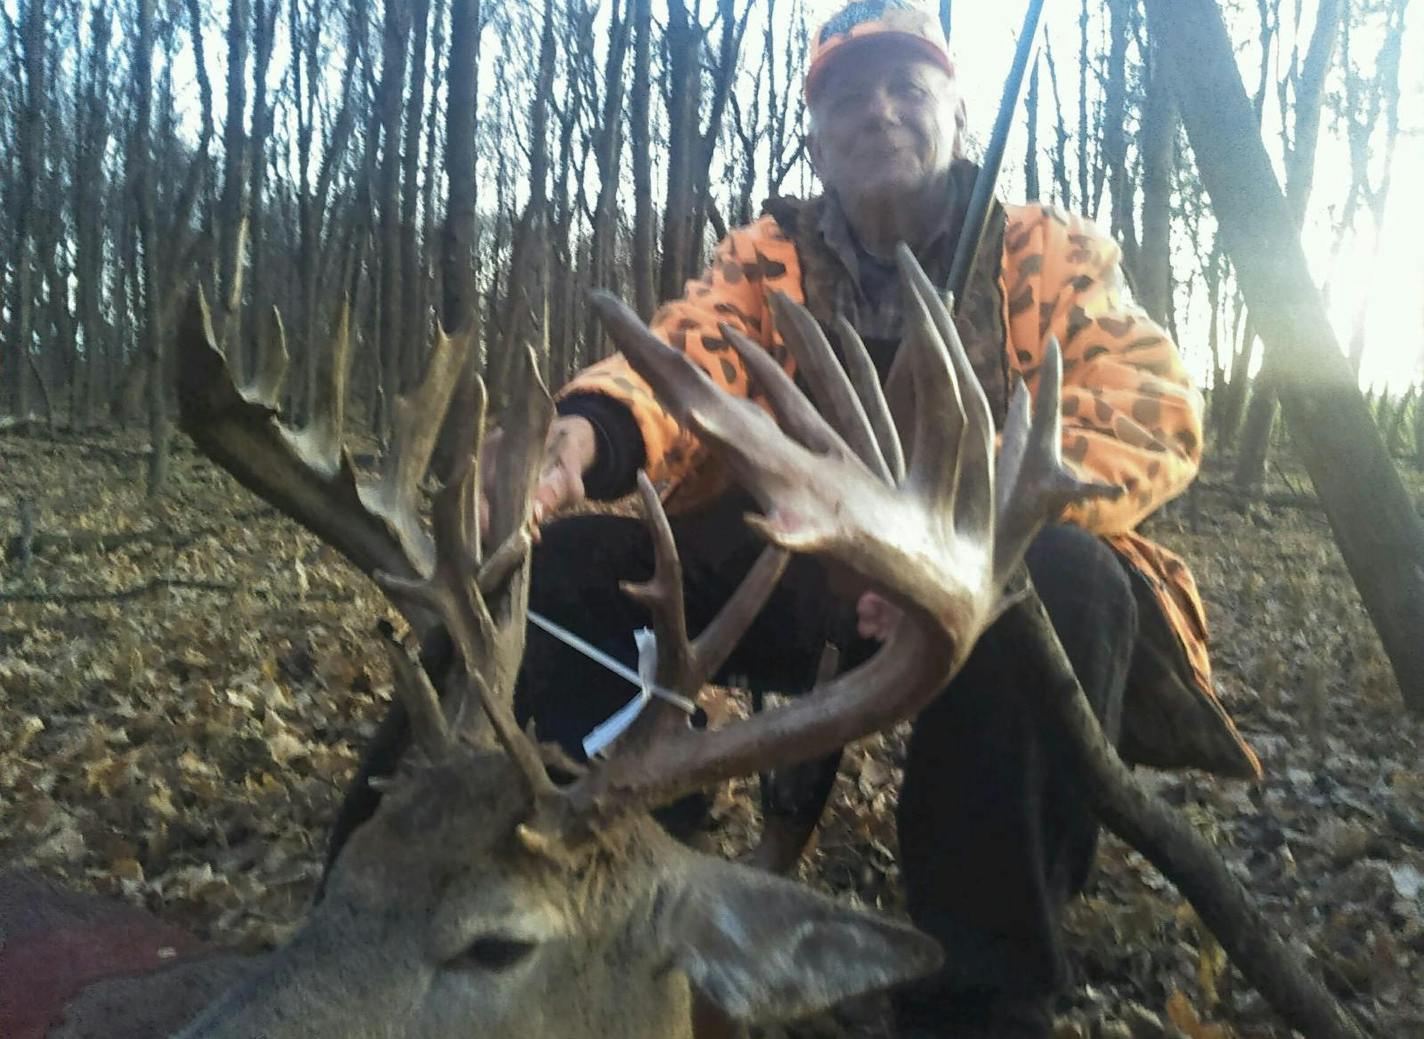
<point>1131,416</point>
<point>620,405</point>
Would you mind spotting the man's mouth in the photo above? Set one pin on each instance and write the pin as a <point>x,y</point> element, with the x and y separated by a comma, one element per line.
<point>884,146</point>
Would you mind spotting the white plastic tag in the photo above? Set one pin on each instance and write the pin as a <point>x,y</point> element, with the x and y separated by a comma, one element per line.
<point>607,733</point>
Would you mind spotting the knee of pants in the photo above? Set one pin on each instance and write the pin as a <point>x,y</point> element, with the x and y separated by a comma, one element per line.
<point>1088,594</point>
<point>1075,571</point>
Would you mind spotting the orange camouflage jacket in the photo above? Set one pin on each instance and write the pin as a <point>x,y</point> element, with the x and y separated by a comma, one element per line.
<point>1131,418</point>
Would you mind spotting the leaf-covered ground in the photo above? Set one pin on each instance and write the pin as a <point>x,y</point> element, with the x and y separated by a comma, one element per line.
<point>184,688</point>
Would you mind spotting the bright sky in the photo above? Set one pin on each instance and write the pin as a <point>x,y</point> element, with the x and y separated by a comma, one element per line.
<point>1392,286</point>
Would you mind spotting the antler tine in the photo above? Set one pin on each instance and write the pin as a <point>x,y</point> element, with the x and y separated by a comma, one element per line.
<point>1041,485</point>
<point>326,404</point>
<point>797,415</point>
<point>716,641</point>
<point>937,440</point>
<point>303,474</point>
<point>1013,445</point>
<point>831,387</point>
<point>662,595</point>
<point>271,363</point>
<point>413,689</point>
<point>862,374</point>
<point>973,492</point>
<point>684,665</point>
<point>910,669</point>
<point>525,424</point>
<point>502,584</point>
<point>484,607</point>
<point>418,418</point>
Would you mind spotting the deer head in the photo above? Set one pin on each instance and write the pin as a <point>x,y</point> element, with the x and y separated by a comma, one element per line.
<point>486,898</point>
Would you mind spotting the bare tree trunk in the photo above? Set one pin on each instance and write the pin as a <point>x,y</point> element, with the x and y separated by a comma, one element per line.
<point>1256,434</point>
<point>684,42</point>
<point>232,206</point>
<point>459,308</point>
<point>312,204</point>
<point>1060,141</point>
<point>723,77</point>
<point>503,221</point>
<point>641,139</point>
<point>458,255</point>
<point>435,115</point>
<point>1238,391</point>
<point>412,273</point>
<point>58,369</point>
<point>1310,96</point>
<point>304,37</point>
<point>1032,191</point>
<point>1384,545</point>
<point>91,141</point>
<point>527,303</point>
<point>561,323</point>
<point>30,140</point>
<point>141,178</point>
<point>1214,274</point>
<point>1300,177</point>
<point>264,30</point>
<point>1159,138</point>
<point>1419,432</point>
<point>1089,201</point>
<point>609,151</point>
<point>1234,399</point>
<point>1394,431</point>
<point>394,35</point>
<point>1115,134</point>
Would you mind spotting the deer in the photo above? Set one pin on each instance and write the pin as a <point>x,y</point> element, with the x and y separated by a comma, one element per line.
<point>501,889</point>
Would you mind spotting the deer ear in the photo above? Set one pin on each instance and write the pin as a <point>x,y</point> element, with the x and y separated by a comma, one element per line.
<point>761,948</point>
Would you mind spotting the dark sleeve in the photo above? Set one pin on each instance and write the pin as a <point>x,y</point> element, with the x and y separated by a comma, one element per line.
<point>620,452</point>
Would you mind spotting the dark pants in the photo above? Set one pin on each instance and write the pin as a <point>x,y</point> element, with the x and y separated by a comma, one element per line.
<point>995,835</point>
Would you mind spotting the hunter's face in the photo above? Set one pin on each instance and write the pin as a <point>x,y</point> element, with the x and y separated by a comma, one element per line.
<point>883,121</point>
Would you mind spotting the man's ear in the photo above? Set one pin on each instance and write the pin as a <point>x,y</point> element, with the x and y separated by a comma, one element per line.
<point>761,948</point>
<point>961,128</point>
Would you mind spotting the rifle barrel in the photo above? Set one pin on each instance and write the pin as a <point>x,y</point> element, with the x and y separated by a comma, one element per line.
<point>976,220</point>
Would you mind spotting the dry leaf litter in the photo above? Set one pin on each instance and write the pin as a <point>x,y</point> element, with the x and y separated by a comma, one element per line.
<point>185,688</point>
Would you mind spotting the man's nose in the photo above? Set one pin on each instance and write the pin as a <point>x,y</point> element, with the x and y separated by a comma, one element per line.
<point>880,106</point>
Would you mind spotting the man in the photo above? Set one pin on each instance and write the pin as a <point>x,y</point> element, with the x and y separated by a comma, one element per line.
<point>994,834</point>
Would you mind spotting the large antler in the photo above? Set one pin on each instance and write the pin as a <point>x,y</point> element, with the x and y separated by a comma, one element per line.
<point>307,473</point>
<point>938,540</point>
<point>375,521</point>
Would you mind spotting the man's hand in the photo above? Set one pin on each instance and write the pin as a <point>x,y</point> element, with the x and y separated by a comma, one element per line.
<point>876,617</point>
<point>569,451</point>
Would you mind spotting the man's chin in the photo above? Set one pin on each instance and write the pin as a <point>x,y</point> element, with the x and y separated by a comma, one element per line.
<point>889,186</point>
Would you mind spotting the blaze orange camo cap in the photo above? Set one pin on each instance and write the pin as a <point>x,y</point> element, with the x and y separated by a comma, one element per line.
<point>862,19</point>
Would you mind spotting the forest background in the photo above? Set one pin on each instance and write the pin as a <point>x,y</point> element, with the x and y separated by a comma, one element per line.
<point>299,153</point>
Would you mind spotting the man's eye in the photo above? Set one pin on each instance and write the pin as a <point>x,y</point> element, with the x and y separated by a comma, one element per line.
<point>911,90</point>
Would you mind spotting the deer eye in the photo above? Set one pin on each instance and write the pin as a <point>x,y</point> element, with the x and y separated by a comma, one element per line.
<point>494,952</point>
